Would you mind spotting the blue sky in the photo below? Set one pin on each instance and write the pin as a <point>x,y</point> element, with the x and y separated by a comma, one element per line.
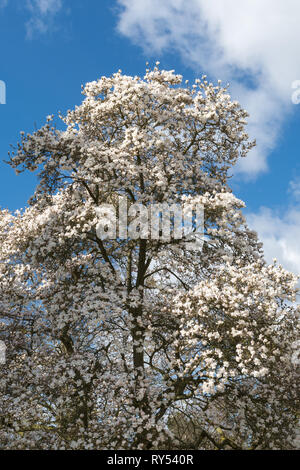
<point>50,47</point>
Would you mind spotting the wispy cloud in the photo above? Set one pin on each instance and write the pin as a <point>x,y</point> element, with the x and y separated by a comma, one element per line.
<point>253,44</point>
<point>294,189</point>
<point>42,16</point>
<point>280,235</point>
<point>280,231</point>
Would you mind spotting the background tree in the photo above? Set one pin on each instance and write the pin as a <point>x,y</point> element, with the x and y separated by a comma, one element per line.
<point>142,343</point>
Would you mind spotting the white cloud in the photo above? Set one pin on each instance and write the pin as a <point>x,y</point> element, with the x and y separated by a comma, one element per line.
<point>280,231</point>
<point>280,234</point>
<point>294,189</point>
<point>254,44</point>
<point>45,6</point>
<point>42,14</point>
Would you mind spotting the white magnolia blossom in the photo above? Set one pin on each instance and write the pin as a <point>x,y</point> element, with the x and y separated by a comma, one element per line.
<point>142,344</point>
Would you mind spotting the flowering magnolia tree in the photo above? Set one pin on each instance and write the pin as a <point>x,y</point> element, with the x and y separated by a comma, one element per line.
<point>142,343</point>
